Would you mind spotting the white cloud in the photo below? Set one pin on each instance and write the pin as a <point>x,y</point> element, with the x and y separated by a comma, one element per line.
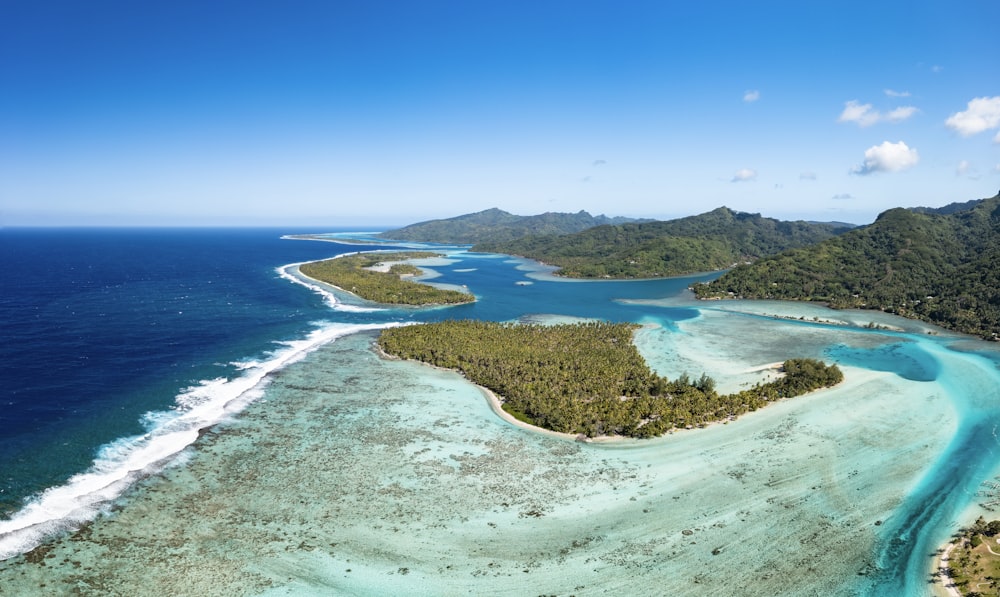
<point>892,93</point>
<point>997,138</point>
<point>900,114</point>
<point>982,114</point>
<point>751,95</point>
<point>807,176</point>
<point>967,170</point>
<point>840,196</point>
<point>866,115</point>
<point>887,157</point>
<point>863,114</point>
<point>744,175</point>
<point>599,162</point>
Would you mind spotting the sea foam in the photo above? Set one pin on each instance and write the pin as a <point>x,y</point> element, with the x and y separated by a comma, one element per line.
<point>122,462</point>
<point>291,273</point>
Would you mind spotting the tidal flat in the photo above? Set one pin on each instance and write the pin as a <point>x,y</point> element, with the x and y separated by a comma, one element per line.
<point>355,475</point>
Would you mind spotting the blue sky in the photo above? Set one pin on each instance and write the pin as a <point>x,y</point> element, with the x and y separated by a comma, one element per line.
<point>341,113</point>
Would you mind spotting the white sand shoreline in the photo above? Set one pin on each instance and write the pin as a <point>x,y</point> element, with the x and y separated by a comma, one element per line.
<point>947,586</point>
<point>496,405</point>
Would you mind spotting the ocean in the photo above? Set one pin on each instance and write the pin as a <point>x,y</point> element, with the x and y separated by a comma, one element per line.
<point>182,413</point>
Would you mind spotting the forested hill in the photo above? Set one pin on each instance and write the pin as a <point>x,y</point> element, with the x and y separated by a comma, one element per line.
<point>710,241</point>
<point>938,267</point>
<point>496,225</point>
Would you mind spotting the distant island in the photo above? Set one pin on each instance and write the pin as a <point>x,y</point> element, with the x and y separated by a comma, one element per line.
<point>599,247</point>
<point>379,277</point>
<point>495,225</point>
<point>587,378</point>
<point>715,240</point>
<point>937,265</point>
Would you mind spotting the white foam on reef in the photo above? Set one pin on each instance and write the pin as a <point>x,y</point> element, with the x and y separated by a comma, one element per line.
<point>291,273</point>
<point>124,461</point>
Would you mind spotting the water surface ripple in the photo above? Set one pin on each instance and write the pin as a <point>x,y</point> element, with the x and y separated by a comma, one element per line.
<point>340,473</point>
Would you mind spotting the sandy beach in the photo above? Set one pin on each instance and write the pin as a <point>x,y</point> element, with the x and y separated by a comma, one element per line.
<point>946,588</point>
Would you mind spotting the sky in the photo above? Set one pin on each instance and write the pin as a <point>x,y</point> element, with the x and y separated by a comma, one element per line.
<point>370,113</point>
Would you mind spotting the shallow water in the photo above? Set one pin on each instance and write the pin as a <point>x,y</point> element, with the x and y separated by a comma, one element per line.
<point>358,476</point>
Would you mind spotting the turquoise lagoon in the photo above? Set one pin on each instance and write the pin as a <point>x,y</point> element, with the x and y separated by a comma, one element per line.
<point>352,475</point>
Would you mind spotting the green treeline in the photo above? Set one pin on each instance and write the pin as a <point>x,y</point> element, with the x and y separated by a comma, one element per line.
<point>587,378</point>
<point>939,267</point>
<point>707,242</point>
<point>349,273</point>
<point>973,565</point>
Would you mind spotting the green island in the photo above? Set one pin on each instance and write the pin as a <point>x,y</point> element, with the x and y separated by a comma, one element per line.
<point>940,266</point>
<point>707,242</point>
<point>587,378</point>
<point>496,225</point>
<point>973,559</point>
<point>361,275</point>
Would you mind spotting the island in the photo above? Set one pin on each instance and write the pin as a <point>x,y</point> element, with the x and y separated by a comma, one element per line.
<point>588,378</point>
<point>711,241</point>
<point>936,265</point>
<point>381,277</point>
<point>496,225</point>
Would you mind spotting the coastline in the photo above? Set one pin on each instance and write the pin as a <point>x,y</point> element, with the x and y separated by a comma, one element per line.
<point>941,569</point>
<point>326,239</point>
<point>294,271</point>
<point>496,404</point>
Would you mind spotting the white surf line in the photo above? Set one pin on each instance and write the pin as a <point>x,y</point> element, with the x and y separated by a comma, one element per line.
<point>286,272</point>
<point>126,460</point>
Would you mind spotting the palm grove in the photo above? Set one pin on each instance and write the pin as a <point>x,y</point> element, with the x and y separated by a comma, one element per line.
<point>587,378</point>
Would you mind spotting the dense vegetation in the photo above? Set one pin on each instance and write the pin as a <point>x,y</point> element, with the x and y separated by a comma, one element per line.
<point>350,273</point>
<point>587,378</point>
<point>715,240</point>
<point>938,266</point>
<point>973,565</point>
<point>495,225</point>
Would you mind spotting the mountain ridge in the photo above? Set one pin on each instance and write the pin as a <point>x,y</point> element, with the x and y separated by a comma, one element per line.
<point>714,240</point>
<point>937,265</point>
<point>497,225</point>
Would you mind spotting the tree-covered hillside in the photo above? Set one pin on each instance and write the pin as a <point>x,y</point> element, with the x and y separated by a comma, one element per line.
<point>496,225</point>
<point>711,241</point>
<point>938,267</point>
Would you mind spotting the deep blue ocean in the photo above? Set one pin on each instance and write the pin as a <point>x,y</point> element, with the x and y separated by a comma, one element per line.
<point>101,326</point>
<point>104,329</point>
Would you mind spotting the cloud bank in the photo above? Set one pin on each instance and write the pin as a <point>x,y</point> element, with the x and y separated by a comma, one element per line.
<point>887,157</point>
<point>982,114</point>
